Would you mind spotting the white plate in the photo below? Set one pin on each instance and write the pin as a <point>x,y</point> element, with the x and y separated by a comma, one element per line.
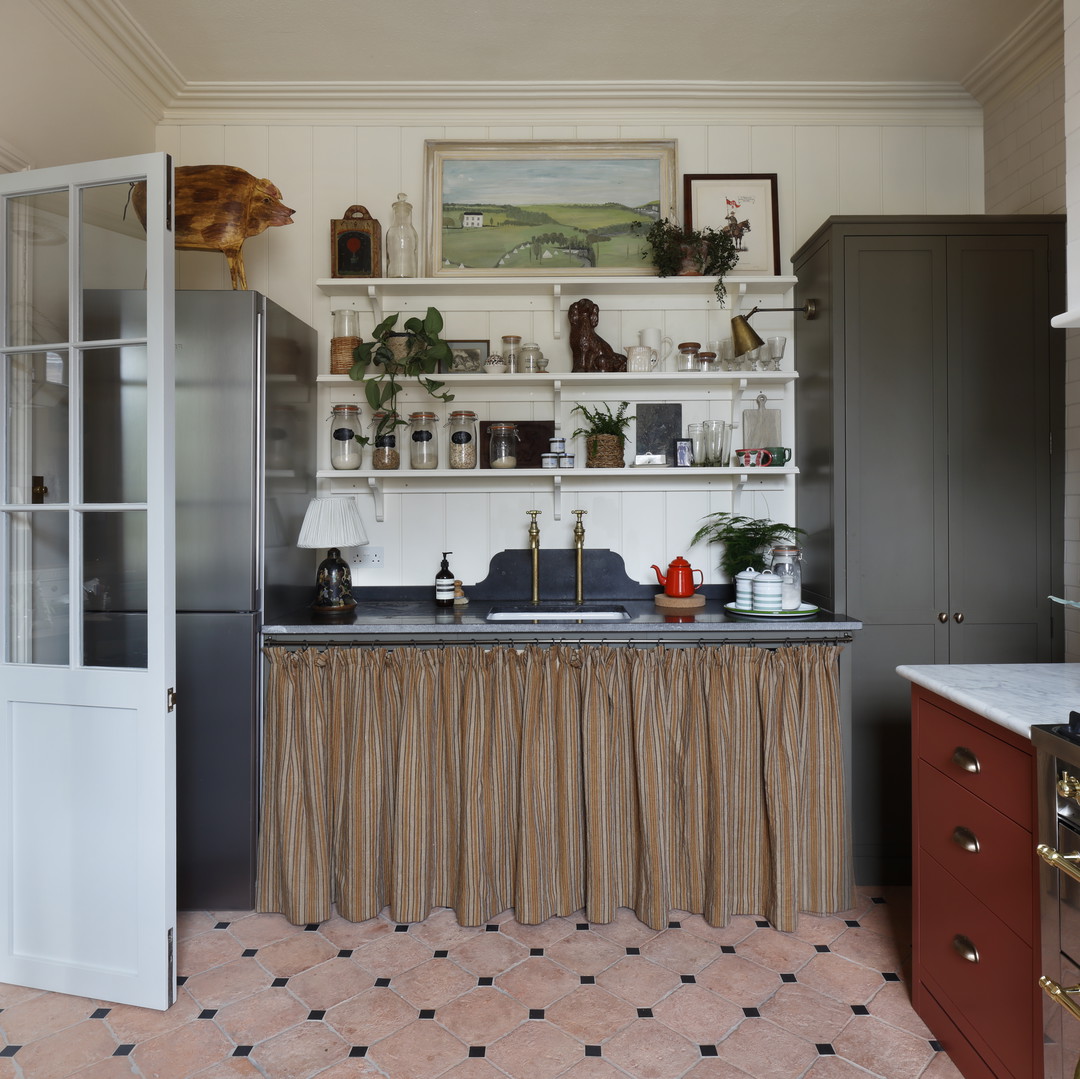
<point>799,612</point>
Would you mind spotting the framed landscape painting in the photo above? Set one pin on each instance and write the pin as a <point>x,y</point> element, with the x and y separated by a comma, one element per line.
<point>745,207</point>
<point>530,207</point>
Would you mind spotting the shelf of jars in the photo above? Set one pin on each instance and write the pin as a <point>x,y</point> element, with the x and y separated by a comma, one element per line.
<point>493,292</point>
<point>449,480</point>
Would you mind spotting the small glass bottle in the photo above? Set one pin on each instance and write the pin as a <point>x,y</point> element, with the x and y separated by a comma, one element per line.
<point>787,565</point>
<point>345,451</point>
<point>511,351</point>
<point>423,441</point>
<point>401,241</point>
<point>502,449</point>
<point>384,454</point>
<point>462,439</point>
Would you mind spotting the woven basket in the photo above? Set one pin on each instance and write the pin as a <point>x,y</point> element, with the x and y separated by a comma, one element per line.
<point>341,354</point>
<point>603,451</point>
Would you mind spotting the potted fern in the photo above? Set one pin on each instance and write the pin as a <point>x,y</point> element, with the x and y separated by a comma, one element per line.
<point>745,539</point>
<point>605,434</point>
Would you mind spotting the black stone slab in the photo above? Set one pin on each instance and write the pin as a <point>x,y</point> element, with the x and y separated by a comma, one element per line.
<point>657,426</point>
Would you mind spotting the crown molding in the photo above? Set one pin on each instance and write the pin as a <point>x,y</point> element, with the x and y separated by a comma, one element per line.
<point>11,159</point>
<point>107,35</point>
<point>1033,50</point>
<point>537,102</point>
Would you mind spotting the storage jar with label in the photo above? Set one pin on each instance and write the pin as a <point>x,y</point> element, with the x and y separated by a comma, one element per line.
<point>463,439</point>
<point>502,447</point>
<point>423,440</point>
<point>345,451</point>
<point>384,455</point>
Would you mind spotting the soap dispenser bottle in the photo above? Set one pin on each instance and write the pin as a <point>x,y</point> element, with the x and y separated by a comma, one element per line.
<point>444,583</point>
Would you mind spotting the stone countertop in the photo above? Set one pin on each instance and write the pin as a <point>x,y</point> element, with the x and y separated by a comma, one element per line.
<point>388,621</point>
<point>1014,695</point>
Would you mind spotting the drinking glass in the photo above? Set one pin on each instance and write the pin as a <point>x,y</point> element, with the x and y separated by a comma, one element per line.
<point>714,441</point>
<point>696,433</point>
<point>775,346</point>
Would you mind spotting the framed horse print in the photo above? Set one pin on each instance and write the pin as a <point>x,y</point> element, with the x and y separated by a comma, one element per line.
<point>743,206</point>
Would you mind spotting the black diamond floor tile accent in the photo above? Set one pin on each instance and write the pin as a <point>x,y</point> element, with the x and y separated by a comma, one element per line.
<point>762,923</point>
<point>279,983</point>
<point>222,925</point>
<point>592,1050</point>
<point>100,1013</point>
<point>674,925</point>
<point>401,929</point>
<point>536,1013</point>
<point>485,981</point>
<point>878,899</point>
<point>358,1051</point>
<point>11,1050</point>
<point>247,953</point>
<point>582,925</point>
<point>821,948</point>
<point>825,1049</point>
<point>633,951</point>
<point>536,951</point>
<point>442,953</point>
<point>243,1050</point>
<point>491,929</point>
<point>859,1009</point>
<point>644,1013</point>
<point>727,949</point>
<point>477,1050</point>
<point>851,923</point>
<point>311,927</point>
<point>124,1050</point>
<point>936,1045</point>
<point>588,979</point>
<point>687,979</point>
<point>788,978</point>
<point>382,983</point>
<point>708,1050</point>
<point>889,976</point>
<point>207,1013</point>
<point>181,979</point>
<point>427,1013</point>
<point>345,953</point>
<point>317,1014</point>
<point>751,1013</point>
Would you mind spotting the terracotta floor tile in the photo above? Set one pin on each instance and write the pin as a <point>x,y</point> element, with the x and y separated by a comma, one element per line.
<point>131,1024</point>
<point>375,1014</point>
<point>766,1051</point>
<point>883,1049</point>
<point>68,1050</point>
<point>183,1051</point>
<point>488,955</point>
<point>593,1068</point>
<point>737,929</point>
<point>329,983</point>
<point>109,1068</point>
<point>807,1012</point>
<point>892,1004</point>
<point>591,1014</point>
<point>344,934</point>
<point>232,981</point>
<point>682,952</point>
<point>537,982</point>
<point>833,1067</point>
<point>41,1015</point>
<point>625,929</point>
<point>715,1068</point>
<point>740,980</point>
<point>472,1068</point>
<point>387,956</point>
<point>262,1016</point>
<point>441,929</point>
<point>206,951</point>
<point>190,923</point>
<point>255,930</point>
<point>840,978</point>
<point>233,1068</point>
<point>8,1069</point>
<point>351,1068</point>
<point>284,958</point>
<point>434,983</point>
<point>535,1050</point>
<point>869,948</point>
<point>482,1016</point>
<point>300,1051</point>
<point>941,1067</point>
<point>15,994</point>
<point>539,936</point>
<point>649,1050</point>
<point>781,952</point>
<point>818,928</point>
<point>638,981</point>
<point>697,1013</point>
<point>585,952</point>
<point>421,1050</point>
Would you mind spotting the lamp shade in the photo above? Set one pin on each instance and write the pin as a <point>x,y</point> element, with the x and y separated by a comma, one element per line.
<point>332,522</point>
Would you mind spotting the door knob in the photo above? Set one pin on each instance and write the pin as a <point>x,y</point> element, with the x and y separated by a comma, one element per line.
<point>958,617</point>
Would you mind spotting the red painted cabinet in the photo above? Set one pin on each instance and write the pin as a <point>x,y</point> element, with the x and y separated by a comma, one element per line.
<point>974,888</point>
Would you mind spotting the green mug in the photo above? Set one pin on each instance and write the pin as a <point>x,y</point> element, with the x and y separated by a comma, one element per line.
<point>780,455</point>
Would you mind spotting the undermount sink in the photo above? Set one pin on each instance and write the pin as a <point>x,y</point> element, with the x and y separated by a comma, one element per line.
<point>558,612</point>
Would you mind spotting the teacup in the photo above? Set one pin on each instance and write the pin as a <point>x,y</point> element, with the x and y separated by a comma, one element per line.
<point>748,458</point>
<point>641,358</point>
<point>780,455</point>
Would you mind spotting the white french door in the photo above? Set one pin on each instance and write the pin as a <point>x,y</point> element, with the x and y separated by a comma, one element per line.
<point>87,606</point>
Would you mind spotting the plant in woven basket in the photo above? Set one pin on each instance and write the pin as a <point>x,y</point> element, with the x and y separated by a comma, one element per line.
<point>605,434</point>
<point>417,353</point>
<point>745,539</point>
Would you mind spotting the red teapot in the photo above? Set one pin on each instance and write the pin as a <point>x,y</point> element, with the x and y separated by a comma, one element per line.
<point>679,581</point>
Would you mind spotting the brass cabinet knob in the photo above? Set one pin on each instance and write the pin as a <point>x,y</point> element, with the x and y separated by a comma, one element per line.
<point>966,839</point>
<point>965,758</point>
<point>965,948</point>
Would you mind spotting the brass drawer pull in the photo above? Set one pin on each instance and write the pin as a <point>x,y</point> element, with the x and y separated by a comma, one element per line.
<point>965,838</point>
<point>965,948</point>
<point>1060,994</point>
<point>965,758</point>
<point>1067,863</point>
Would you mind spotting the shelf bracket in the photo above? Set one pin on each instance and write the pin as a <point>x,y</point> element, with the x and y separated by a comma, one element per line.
<point>556,311</point>
<point>377,491</point>
<point>556,400</point>
<point>741,481</point>
<point>556,492</point>
<point>376,306</point>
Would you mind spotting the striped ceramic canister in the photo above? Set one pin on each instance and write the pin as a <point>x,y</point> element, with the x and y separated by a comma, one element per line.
<point>767,592</point>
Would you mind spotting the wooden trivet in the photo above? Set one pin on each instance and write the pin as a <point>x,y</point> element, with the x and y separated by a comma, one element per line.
<point>662,599</point>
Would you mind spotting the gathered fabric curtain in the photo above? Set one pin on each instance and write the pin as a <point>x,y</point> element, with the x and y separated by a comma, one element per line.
<point>553,779</point>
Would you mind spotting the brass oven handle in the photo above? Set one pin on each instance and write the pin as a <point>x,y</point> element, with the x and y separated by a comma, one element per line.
<point>965,948</point>
<point>965,758</point>
<point>1068,786</point>
<point>1060,994</point>
<point>1065,862</point>
<point>966,838</point>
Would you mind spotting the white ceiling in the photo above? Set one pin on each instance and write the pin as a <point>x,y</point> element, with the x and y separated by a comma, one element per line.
<point>378,41</point>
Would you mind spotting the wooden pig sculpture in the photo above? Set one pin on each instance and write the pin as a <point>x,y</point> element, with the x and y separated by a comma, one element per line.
<point>217,207</point>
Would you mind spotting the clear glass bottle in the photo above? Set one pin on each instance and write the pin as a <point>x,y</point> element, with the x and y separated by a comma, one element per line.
<point>462,451</point>
<point>423,440</point>
<point>401,241</point>
<point>502,448</point>
<point>345,451</point>
<point>384,454</point>
<point>787,565</point>
<point>511,352</point>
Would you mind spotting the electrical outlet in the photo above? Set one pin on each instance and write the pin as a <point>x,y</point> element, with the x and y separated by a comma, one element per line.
<point>368,557</point>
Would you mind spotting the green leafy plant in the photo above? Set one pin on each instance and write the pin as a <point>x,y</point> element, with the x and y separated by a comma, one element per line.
<point>602,421</point>
<point>745,539</point>
<point>380,367</point>
<point>708,251</point>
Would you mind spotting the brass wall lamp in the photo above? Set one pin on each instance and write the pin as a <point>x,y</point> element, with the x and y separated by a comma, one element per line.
<point>742,334</point>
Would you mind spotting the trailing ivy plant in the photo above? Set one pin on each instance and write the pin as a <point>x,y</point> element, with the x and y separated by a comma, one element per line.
<point>745,539</point>
<point>380,368</point>
<point>672,248</point>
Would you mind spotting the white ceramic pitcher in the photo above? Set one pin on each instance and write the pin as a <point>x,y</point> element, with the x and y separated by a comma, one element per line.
<point>641,358</point>
<point>661,345</point>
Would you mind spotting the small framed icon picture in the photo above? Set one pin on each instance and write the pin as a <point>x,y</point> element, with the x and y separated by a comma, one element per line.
<point>356,245</point>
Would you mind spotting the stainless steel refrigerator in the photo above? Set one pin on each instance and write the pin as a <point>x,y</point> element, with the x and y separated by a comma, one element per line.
<point>245,470</point>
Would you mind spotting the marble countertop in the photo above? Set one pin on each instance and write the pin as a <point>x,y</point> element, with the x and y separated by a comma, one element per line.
<point>1014,695</point>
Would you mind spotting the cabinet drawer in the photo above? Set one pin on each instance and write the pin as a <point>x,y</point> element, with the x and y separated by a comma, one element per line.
<point>997,996</point>
<point>1002,872</point>
<point>997,772</point>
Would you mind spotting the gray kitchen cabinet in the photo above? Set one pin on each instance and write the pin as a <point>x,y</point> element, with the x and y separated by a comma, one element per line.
<point>929,406</point>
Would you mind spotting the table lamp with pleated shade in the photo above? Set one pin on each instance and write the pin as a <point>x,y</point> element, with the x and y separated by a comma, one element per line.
<point>332,523</point>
